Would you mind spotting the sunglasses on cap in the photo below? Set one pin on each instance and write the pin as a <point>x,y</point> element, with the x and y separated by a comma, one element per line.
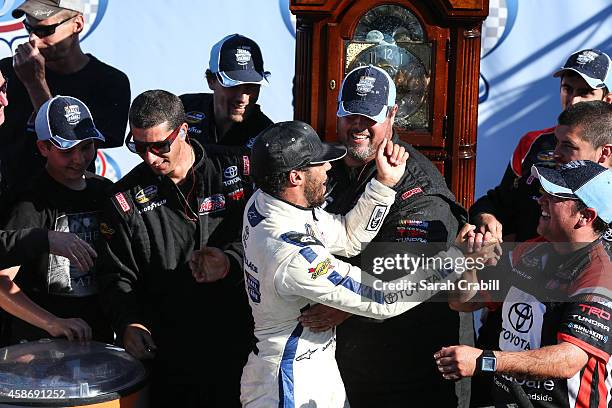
<point>155,147</point>
<point>42,31</point>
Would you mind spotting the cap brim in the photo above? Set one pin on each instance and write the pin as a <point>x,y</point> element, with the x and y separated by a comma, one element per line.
<point>329,153</point>
<point>376,112</point>
<point>552,182</point>
<point>596,194</point>
<point>235,78</point>
<point>86,134</point>
<point>38,10</point>
<point>592,82</point>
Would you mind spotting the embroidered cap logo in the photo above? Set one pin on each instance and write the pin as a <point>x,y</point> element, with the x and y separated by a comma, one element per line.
<point>586,57</point>
<point>365,85</point>
<point>243,56</point>
<point>73,114</point>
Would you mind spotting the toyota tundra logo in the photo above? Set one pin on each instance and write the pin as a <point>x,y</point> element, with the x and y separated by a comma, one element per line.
<point>230,172</point>
<point>520,316</point>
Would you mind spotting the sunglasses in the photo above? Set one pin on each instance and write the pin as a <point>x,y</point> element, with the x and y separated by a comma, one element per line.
<point>154,147</point>
<point>43,30</point>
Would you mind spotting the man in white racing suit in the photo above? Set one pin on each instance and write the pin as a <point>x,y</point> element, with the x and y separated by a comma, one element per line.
<point>289,265</point>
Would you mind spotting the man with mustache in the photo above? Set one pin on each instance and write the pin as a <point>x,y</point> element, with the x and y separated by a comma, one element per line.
<point>377,360</point>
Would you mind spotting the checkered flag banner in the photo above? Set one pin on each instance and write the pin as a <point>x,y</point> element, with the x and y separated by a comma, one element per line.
<point>494,26</point>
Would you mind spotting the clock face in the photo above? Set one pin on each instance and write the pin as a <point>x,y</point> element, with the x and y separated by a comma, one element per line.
<point>391,37</point>
<point>389,24</point>
<point>409,74</point>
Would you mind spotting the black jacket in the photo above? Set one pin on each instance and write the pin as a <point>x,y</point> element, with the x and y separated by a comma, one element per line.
<point>201,120</point>
<point>514,201</point>
<point>17,246</point>
<point>104,89</point>
<point>151,230</point>
<point>388,363</point>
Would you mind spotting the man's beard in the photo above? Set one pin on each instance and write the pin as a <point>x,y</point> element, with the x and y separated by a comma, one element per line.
<point>314,194</point>
<point>361,153</point>
<point>237,118</point>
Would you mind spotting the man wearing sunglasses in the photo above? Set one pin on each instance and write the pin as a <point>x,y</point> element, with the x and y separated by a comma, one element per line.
<point>49,294</point>
<point>51,62</point>
<point>172,274</point>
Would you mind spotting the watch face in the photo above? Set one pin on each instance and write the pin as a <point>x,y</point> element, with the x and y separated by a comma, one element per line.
<point>409,74</point>
<point>489,364</point>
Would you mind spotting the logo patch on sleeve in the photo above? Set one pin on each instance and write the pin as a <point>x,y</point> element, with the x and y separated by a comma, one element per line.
<point>378,215</point>
<point>122,202</point>
<point>254,216</point>
<point>321,269</point>
<point>409,193</point>
<point>212,204</point>
<point>299,239</point>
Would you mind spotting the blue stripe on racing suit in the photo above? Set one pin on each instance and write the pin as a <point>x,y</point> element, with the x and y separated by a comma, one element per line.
<point>356,287</point>
<point>285,375</point>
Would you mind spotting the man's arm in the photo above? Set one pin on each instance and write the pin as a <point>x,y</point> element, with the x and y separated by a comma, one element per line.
<point>579,338</point>
<point>121,260</point>
<point>19,245</point>
<point>332,282</point>
<point>29,65</point>
<point>562,360</point>
<point>18,304</point>
<point>344,235</point>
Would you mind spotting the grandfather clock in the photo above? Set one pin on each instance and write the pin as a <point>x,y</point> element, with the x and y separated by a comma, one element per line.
<point>431,48</point>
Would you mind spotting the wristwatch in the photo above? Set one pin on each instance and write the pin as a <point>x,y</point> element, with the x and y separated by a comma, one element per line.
<point>486,362</point>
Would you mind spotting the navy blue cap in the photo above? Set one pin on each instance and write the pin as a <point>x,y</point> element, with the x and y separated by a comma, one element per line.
<point>593,66</point>
<point>237,60</point>
<point>66,122</point>
<point>366,91</point>
<point>579,180</point>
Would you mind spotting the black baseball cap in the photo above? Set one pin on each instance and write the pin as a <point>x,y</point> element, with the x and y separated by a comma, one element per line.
<point>43,9</point>
<point>592,65</point>
<point>237,60</point>
<point>366,91</point>
<point>66,122</point>
<point>579,180</point>
<point>286,146</point>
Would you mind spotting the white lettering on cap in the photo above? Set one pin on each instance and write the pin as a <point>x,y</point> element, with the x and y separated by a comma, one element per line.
<point>365,85</point>
<point>586,56</point>
<point>73,114</point>
<point>243,56</point>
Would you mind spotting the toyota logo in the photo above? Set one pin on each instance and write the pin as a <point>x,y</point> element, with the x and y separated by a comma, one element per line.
<point>521,317</point>
<point>230,172</point>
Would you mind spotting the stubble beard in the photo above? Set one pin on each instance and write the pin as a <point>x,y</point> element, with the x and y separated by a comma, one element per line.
<point>314,195</point>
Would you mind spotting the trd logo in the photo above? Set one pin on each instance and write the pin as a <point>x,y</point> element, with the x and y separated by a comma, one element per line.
<point>592,310</point>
